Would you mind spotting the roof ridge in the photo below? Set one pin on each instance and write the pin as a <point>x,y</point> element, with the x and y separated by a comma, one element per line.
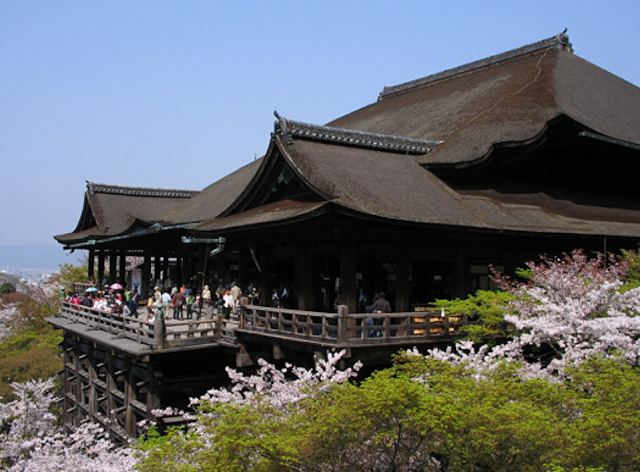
<point>559,41</point>
<point>362,139</point>
<point>94,188</point>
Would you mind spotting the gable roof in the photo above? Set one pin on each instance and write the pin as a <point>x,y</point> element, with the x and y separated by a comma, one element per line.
<point>505,99</point>
<point>111,210</point>
<point>379,161</point>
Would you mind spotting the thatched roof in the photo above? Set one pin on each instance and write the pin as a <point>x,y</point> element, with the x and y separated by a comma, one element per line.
<point>390,159</point>
<point>111,210</point>
<point>509,98</point>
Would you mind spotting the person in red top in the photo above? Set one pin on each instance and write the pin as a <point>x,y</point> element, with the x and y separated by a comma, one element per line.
<point>177,301</point>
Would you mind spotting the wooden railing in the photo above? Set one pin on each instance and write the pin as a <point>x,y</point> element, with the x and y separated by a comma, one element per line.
<point>81,287</point>
<point>156,334</point>
<point>345,329</point>
<point>340,329</point>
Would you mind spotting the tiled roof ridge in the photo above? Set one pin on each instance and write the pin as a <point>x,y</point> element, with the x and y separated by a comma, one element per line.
<point>559,41</point>
<point>94,188</point>
<point>295,129</point>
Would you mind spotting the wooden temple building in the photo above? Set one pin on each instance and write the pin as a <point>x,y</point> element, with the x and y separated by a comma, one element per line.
<point>531,151</point>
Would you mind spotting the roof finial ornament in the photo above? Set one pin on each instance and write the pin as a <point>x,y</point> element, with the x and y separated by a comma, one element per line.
<point>562,41</point>
<point>282,126</point>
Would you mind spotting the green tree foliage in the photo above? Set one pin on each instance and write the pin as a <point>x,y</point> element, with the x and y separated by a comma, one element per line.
<point>485,311</point>
<point>7,287</point>
<point>423,415</point>
<point>632,279</point>
<point>69,274</point>
<point>31,350</point>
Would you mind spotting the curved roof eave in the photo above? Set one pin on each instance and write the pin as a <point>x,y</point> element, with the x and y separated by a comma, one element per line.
<point>276,150</point>
<point>508,102</point>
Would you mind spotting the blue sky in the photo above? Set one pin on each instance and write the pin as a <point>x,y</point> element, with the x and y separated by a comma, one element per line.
<point>177,94</point>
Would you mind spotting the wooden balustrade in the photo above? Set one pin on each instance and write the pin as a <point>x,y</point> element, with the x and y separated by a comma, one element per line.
<point>81,287</point>
<point>156,334</point>
<point>350,329</point>
<point>340,329</point>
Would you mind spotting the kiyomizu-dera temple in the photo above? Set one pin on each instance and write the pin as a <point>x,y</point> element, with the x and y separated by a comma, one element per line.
<point>527,152</point>
<point>532,151</point>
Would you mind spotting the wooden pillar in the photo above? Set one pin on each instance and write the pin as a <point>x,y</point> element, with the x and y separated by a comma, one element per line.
<point>221,270</point>
<point>402,283</point>
<point>91,265</point>
<point>92,376</point>
<point>202,269</point>
<point>100,268</point>
<point>178,280</point>
<point>153,391</point>
<point>266,279</point>
<point>111,386</point>
<point>242,267</point>
<point>146,276</point>
<point>113,258</point>
<point>165,270</point>
<point>304,276</point>
<point>187,267</point>
<point>348,287</point>
<point>122,269</point>
<point>460,274</point>
<point>77,391</point>
<point>129,395</point>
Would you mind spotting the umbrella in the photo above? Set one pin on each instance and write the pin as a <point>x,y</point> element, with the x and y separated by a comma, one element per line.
<point>116,286</point>
<point>91,289</point>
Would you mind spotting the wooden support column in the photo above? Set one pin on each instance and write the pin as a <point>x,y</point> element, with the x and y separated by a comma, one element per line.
<point>202,269</point>
<point>145,287</point>
<point>122,269</point>
<point>91,262</point>
<point>129,395</point>
<point>348,287</point>
<point>266,279</point>
<point>187,267</point>
<point>77,391</point>
<point>402,283</point>
<point>165,270</point>
<point>221,270</point>
<point>460,273</point>
<point>92,376</point>
<point>304,274</point>
<point>113,258</point>
<point>242,267</point>
<point>100,268</point>
<point>111,386</point>
<point>153,391</point>
<point>178,279</point>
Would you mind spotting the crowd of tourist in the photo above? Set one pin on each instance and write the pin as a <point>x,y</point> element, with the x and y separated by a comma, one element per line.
<point>178,303</point>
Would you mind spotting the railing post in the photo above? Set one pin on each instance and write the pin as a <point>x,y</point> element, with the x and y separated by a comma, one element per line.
<point>219,321</point>
<point>158,328</point>
<point>343,316</point>
<point>243,311</point>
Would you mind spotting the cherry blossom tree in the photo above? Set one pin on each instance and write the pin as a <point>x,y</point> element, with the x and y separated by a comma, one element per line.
<point>569,310</point>
<point>8,316</point>
<point>31,440</point>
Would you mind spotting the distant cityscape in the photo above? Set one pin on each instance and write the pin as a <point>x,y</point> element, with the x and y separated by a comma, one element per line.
<point>30,276</point>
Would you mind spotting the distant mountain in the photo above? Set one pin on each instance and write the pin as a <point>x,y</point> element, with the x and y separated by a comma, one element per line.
<point>47,257</point>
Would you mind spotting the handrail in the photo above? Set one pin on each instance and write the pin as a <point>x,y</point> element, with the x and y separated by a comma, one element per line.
<point>345,329</point>
<point>81,287</point>
<point>156,334</point>
<point>342,329</point>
